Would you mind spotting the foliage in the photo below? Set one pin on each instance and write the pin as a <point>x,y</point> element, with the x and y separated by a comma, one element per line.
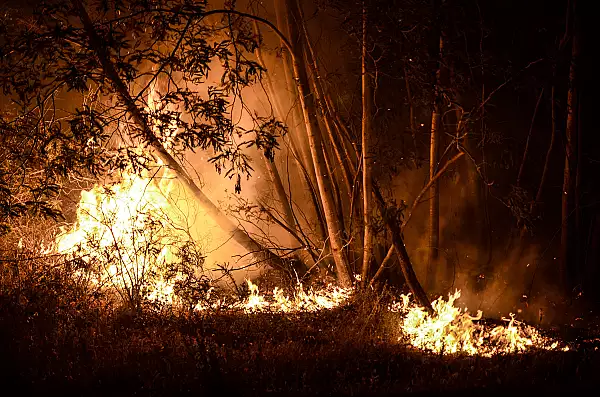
<point>63,117</point>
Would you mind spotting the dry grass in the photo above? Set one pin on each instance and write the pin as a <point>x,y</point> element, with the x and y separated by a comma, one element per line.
<point>59,338</point>
<point>53,340</point>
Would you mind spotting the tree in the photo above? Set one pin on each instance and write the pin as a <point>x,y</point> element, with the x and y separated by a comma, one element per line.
<point>316,146</point>
<point>110,57</point>
<point>367,152</point>
<point>569,191</point>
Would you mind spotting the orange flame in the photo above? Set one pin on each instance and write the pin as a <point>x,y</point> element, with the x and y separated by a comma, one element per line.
<point>451,330</point>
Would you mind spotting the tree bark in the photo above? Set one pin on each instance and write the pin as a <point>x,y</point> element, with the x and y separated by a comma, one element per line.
<point>299,127</point>
<point>335,143</point>
<point>411,115</point>
<point>302,152</point>
<point>241,237</point>
<point>367,155</point>
<point>434,159</point>
<point>286,206</point>
<point>417,200</point>
<point>538,196</point>
<point>568,191</point>
<point>309,111</point>
<point>403,258</point>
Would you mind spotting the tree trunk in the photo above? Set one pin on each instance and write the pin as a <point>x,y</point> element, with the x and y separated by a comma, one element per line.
<point>284,24</point>
<point>367,155</point>
<point>345,134</point>
<point>579,224</point>
<point>414,205</point>
<point>335,142</point>
<point>434,159</point>
<point>526,150</point>
<point>403,258</point>
<point>285,203</point>
<point>568,191</point>
<point>411,115</point>
<point>302,152</point>
<point>533,209</point>
<point>334,228</point>
<point>241,237</point>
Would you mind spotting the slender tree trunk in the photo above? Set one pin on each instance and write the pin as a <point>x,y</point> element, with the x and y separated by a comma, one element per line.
<point>241,237</point>
<point>367,155</point>
<point>387,260</point>
<point>347,138</point>
<point>544,177</point>
<point>335,143</point>
<point>568,191</point>
<point>270,165</point>
<point>414,205</point>
<point>334,228</point>
<point>579,232</point>
<point>298,133</point>
<point>538,196</point>
<point>411,115</point>
<point>342,139</point>
<point>336,190</point>
<point>286,206</point>
<point>434,159</point>
<point>284,24</point>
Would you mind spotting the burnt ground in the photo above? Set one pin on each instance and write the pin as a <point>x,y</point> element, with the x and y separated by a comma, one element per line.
<point>51,345</point>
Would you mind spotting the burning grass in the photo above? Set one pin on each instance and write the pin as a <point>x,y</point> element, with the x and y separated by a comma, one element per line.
<point>451,330</point>
<point>129,309</point>
<point>55,340</point>
<point>133,240</point>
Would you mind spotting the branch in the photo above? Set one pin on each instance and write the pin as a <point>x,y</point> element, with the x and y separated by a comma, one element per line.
<point>428,185</point>
<point>491,94</point>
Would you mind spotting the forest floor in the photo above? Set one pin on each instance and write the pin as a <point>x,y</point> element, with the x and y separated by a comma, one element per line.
<point>52,345</point>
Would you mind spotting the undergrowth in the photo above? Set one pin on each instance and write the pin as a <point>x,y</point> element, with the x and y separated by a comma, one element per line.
<point>60,337</point>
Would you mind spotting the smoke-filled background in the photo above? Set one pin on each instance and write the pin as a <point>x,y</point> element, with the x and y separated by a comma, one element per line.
<point>481,251</point>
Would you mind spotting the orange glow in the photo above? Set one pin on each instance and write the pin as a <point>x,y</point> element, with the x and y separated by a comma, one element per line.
<point>451,330</point>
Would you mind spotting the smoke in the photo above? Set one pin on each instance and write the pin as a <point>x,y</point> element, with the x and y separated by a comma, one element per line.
<point>512,278</point>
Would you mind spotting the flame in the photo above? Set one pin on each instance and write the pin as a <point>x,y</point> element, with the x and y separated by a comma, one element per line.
<point>312,300</point>
<point>127,230</point>
<point>451,330</point>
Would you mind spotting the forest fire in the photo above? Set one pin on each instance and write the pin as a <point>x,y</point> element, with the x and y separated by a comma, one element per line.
<point>125,232</point>
<point>271,196</point>
<point>130,233</point>
<point>451,330</point>
<point>302,301</point>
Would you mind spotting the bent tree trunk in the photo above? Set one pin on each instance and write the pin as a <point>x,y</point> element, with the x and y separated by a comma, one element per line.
<point>398,244</point>
<point>334,228</point>
<point>241,237</point>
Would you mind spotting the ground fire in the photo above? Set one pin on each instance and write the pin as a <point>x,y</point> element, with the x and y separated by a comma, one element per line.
<point>298,197</point>
<point>129,229</point>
